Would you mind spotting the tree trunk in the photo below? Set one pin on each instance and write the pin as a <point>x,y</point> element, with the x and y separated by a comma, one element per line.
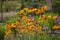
<point>1,11</point>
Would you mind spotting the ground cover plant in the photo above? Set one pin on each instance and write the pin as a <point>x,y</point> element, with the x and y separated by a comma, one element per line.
<point>32,24</point>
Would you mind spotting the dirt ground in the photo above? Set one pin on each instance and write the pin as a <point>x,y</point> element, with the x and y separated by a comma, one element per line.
<point>8,14</point>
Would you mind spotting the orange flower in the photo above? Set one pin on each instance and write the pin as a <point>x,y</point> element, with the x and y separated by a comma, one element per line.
<point>22,30</point>
<point>38,11</point>
<point>18,22</point>
<point>13,25</point>
<point>54,17</point>
<point>18,13</point>
<point>31,8</point>
<point>24,18</point>
<point>43,16</point>
<point>21,12</point>
<point>7,32</point>
<point>31,27</point>
<point>38,28</point>
<point>26,31</point>
<point>29,11</point>
<point>49,16</point>
<point>25,9</point>
<point>42,9</point>
<point>8,25</point>
<point>56,27</point>
<point>45,7</point>
<point>35,9</point>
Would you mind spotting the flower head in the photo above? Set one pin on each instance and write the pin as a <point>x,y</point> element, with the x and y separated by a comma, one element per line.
<point>57,20</point>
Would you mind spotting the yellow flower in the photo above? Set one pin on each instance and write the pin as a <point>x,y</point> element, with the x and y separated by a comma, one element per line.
<point>42,9</point>
<point>21,12</point>
<point>28,23</point>
<point>41,21</point>
<point>18,13</point>
<point>49,16</point>
<point>25,9</point>
<point>40,17</point>
<point>7,32</point>
<point>56,27</point>
<point>38,11</point>
<point>44,20</point>
<point>38,28</point>
<point>22,30</point>
<point>24,18</point>
<point>13,25</point>
<point>45,7</point>
<point>54,17</point>
<point>35,9</point>
<point>32,27</point>
<point>18,22</point>
<point>43,16</point>
<point>29,11</point>
<point>8,25</point>
<point>26,31</point>
<point>19,28</point>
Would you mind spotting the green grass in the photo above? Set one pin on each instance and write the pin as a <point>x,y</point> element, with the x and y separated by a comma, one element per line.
<point>2,31</point>
<point>12,19</point>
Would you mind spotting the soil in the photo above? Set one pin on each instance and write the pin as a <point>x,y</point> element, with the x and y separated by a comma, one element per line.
<point>8,14</point>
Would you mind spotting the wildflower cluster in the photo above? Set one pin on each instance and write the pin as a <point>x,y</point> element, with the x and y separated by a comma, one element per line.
<point>28,24</point>
<point>33,10</point>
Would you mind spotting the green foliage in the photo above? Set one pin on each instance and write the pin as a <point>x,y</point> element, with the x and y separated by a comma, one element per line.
<point>12,19</point>
<point>2,31</point>
<point>56,6</point>
<point>22,4</point>
<point>10,6</point>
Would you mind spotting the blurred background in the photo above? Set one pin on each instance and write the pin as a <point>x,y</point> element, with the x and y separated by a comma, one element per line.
<point>11,6</point>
